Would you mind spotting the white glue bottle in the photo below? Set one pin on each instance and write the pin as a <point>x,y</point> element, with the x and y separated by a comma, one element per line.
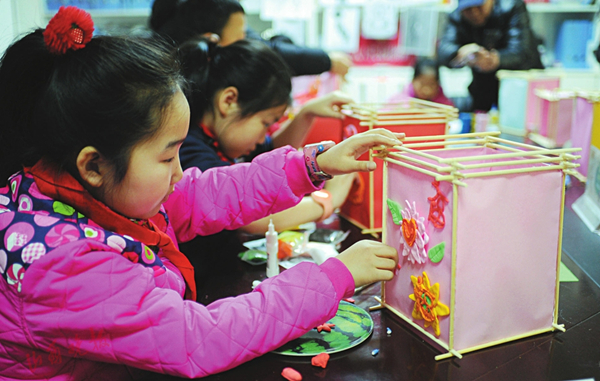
<point>272,250</point>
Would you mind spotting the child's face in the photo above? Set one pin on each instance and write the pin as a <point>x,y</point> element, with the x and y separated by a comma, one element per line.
<point>154,166</point>
<point>239,137</point>
<point>426,86</point>
<point>234,30</point>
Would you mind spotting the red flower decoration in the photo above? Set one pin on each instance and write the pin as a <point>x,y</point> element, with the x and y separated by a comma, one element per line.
<point>70,28</point>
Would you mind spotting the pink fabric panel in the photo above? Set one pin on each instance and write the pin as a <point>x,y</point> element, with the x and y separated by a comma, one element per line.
<point>581,131</point>
<point>507,245</point>
<point>405,184</point>
<point>532,118</point>
<point>545,107</point>
<point>563,121</point>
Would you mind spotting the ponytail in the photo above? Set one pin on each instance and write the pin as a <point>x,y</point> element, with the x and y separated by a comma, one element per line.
<point>195,57</point>
<point>26,70</point>
<point>111,95</point>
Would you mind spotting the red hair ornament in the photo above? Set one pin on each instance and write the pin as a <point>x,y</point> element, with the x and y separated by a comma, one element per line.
<point>70,28</point>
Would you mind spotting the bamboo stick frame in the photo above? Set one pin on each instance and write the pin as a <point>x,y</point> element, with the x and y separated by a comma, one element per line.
<point>411,112</point>
<point>450,170</point>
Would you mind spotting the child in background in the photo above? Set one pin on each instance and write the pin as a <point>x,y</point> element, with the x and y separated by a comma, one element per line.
<point>424,85</point>
<point>93,284</point>
<point>180,21</point>
<point>236,92</point>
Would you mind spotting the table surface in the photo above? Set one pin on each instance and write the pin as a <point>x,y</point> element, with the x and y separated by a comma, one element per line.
<point>572,355</point>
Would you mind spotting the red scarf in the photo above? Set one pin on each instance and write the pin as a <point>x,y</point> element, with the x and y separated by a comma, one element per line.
<point>215,143</point>
<point>60,185</point>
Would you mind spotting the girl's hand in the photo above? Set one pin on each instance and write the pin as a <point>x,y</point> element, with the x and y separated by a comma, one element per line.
<point>326,106</point>
<point>339,187</point>
<point>369,261</point>
<point>342,158</point>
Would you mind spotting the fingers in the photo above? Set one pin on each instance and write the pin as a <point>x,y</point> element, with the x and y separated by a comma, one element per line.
<point>384,274</point>
<point>362,166</point>
<point>372,139</point>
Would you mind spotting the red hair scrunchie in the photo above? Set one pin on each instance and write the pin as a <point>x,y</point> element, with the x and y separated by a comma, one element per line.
<point>70,28</point>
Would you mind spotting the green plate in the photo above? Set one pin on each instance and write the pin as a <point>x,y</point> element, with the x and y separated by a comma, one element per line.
<point>353,325</point>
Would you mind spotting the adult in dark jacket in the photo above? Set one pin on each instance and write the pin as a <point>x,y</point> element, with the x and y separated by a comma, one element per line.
<point>489,35</point>
<point>183,20</point>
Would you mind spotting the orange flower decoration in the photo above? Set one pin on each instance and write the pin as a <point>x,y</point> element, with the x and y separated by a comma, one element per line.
<point>414,237</point>
<point>70,28</point>
<point>409,230</point>
<point>427,302</point>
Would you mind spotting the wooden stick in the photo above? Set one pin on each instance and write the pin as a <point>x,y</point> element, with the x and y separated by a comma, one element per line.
<point>509,155</point>
<point>430,165</point>
<point>512,162</point>
<point>407,114</point>
<point>423,154</point>
<point>453,275</point>
<point>372,231</point>
<point>402,123</point>
<point>502,341</point>
<point>451,136</point>
<point>371,195</point>
<point>444,143</point>
<point>559,254</point>
<point>406,165</point>
<point>384,197</point>
<point>523,145</point>
<point>450,353</point>
<point>567,156</point>
<point>559,327</point>
<point>377,307</point>
<point>452,179</point>
<point>384,214</point>
<point>577,175</point>
<point>511,171</point>
<point>433,104</point>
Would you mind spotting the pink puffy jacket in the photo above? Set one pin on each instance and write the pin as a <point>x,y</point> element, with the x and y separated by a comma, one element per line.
<point>82,311</point>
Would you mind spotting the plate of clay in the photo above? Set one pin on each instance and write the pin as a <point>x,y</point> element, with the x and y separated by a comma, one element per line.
<point>350,326</point>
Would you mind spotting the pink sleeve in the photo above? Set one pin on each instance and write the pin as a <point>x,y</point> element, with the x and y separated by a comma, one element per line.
<point>441,98</point>
<point>111,311</point>
<point>404,95</point>
<point>230,197</point>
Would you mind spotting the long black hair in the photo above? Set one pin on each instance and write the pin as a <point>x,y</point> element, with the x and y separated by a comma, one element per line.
<point>262,78</point>
<point>181,20</point>
<point>110,95</point>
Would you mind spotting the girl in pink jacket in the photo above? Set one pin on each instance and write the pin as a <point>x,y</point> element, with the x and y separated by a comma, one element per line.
<point>93,285</point>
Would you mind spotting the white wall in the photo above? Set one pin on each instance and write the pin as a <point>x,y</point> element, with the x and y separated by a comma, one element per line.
<point>18,17</point>
<point>7,27</point>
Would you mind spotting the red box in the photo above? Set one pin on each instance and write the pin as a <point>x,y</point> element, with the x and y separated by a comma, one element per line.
<point>414,117</point>
<point>324,129</point>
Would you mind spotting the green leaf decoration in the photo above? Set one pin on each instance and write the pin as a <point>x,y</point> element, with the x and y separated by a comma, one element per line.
<point>396,211</point>
<point>63,209</point>
<point>79,215</point>
<point>436,253</point>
